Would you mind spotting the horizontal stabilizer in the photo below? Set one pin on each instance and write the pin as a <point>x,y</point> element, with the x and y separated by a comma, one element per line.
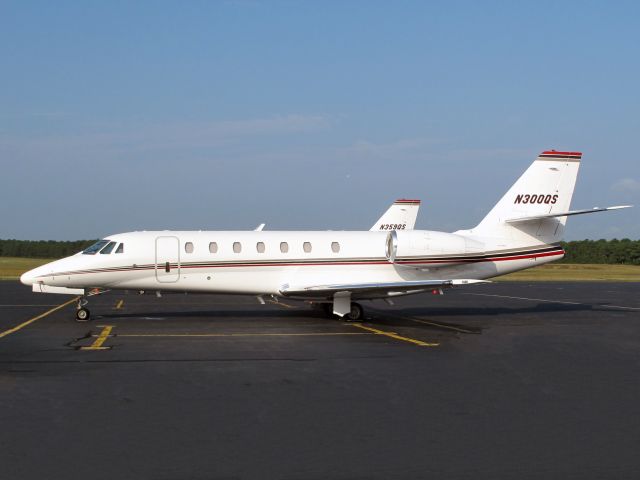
<point>374,289</point>
<point>564,214</point>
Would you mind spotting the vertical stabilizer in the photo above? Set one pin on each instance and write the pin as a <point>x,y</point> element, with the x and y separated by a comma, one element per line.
<point>545,187</point>
<point>401,215</point>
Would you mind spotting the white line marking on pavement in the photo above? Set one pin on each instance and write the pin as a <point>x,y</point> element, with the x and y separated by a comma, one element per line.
<point>552,301</point>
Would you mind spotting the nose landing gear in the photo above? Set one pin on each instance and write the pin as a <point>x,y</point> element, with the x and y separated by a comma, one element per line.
<point>82,314</point>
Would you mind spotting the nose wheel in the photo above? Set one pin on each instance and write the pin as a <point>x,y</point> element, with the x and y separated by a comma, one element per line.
<point>82,314</point>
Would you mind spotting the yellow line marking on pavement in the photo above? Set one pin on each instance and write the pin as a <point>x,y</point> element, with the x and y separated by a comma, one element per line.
<point>426,322</point>
<point>395,336</point>
<point>195,335</point>
<point>30,305</point>
<point>42,315</point>
<point>119,304</point>
<point>440,325</point>
<point>104,334</point>
<point>275,302</point>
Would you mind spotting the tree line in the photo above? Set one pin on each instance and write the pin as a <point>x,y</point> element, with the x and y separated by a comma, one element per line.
<point>42,248</point>
<point>623,251</point>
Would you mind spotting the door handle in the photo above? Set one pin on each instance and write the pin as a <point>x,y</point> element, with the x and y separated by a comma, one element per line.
<point>167,267</point>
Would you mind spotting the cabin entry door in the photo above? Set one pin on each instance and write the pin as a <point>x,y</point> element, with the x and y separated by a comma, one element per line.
<point>167,259</point>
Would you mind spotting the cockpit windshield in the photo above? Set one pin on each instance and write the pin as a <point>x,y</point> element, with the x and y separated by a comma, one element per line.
<point>95,248</point>
<point>107,250</point>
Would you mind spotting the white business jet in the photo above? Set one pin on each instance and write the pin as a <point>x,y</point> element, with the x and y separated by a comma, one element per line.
<point>336,268</point>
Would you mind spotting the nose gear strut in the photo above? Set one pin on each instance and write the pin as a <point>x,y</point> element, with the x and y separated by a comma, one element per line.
<point>83,314</point>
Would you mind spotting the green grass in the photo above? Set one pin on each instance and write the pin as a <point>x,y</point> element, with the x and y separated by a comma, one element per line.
<point>12,267</point>
<point>565,272</point>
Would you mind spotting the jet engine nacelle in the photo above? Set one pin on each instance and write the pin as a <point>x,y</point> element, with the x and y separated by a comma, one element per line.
<point>405,244</point>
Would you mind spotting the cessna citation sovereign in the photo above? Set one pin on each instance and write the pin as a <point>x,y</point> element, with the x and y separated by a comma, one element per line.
<point>333,268</point>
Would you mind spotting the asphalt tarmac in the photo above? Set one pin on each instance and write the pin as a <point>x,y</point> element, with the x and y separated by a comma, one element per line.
<point>506,380</point>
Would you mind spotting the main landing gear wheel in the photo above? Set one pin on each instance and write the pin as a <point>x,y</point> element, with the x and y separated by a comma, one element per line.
<point>356,314</point>
<point>83,314</point>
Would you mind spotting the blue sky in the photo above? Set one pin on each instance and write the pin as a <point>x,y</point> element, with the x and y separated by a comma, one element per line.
<point>119,116</point>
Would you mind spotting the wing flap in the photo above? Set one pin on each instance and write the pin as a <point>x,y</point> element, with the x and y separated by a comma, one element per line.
<point>380,289</point>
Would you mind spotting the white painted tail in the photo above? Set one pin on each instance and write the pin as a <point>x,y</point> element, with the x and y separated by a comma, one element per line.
<point>546,187</point>
<point>401,215</point>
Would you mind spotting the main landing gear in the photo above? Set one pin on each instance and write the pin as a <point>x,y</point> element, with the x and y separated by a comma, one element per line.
<point>355,313</point>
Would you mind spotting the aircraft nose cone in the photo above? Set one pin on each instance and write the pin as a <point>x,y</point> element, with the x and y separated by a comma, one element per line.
<point>27,277</point>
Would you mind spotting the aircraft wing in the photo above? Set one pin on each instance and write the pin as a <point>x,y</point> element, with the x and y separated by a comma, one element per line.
<point>564,214</point>
<point>401,215</point>
<point>372,290</point>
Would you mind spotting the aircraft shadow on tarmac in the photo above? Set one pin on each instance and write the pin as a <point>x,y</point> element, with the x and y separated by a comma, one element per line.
<point>427,318</point>
<point>493,311</point>
<point>473,320</point>
<point>303,311</point>
<point>374,317</point>
<point>222,314</point>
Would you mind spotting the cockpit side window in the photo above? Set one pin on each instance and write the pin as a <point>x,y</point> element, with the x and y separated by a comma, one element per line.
<point>95,248</point>
<point>120,248</point>
<point>107,250</point>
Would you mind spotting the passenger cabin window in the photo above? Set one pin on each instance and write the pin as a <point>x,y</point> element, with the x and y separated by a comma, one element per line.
<point>284,247</point>
<point>213,247</point>
<point>107,250</point>
<point>306,246</point>
<point>95,248</point>
<point>188,247</point>
<point>260,247</point>
<point>120,248</point>
<point>237,247</point>
<point>335,247</point>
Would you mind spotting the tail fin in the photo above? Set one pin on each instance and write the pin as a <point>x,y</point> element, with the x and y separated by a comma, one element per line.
<point>546,187</point>
<point>401,215</point>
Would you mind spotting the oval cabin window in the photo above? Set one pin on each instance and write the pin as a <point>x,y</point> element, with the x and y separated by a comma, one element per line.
<point>237,247</point>
<point>260,247</point>
<point>213,247</point>
<point>188,247</point>
<point>284,247</point>
<point>335,247</point>
<point>306,246</point>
